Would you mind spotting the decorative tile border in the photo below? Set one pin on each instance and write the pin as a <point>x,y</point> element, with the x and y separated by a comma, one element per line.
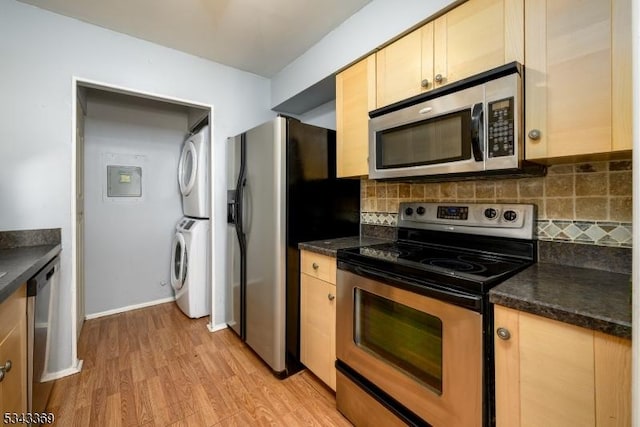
<point>379,218</point>
<point>599,233</point>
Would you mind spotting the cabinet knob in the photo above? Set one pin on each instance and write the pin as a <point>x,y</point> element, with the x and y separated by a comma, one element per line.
<point>534,134</point>
<point>331,297</point>
<point>4,369</point>
<point>425,83</point>
<point>438,78</point>
<point>315,266</point>
<point>503,333</point>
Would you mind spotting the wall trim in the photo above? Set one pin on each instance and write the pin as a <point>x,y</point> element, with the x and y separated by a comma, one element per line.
<point>76,368</point>
<point>129,308</point>
<point>215,328</point>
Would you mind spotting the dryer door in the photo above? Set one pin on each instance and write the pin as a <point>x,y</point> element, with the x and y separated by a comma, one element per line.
<point>188,168</point>
<point>178,262</point>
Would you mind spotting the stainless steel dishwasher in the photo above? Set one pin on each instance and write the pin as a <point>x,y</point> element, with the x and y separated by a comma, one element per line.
<point>39,290</point>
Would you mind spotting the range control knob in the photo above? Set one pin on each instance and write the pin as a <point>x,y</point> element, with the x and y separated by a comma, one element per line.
<point>408,211</point>
<point>421,210</point>
<point>490,213</point>
<point>510,215</point>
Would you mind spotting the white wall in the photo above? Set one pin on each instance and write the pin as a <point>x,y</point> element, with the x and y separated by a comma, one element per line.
<point>323,116</point>
<point>128,240</point>
<point>370,27</point>
<point>40,52</point>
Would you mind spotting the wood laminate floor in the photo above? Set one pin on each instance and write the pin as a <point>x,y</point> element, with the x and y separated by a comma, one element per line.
<point>156,367</point>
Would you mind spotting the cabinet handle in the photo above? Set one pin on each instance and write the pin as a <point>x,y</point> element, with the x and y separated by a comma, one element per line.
<point>438,78</point>
<point>315,266</point>
<point>4,369</point>
<point>534,134</point>
<point>331,297</point>
<point>503,333</point>
<point>424,83</point>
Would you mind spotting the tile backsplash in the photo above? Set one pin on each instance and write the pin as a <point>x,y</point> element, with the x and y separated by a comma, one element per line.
<point>588,203</point>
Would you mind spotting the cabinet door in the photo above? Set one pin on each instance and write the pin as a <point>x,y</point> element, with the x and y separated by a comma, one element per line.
<point>578,77</point>
<point>507,368</point>
<point>405,67</point>
<point>355,97</point>
<point>556,373</point>
<point>13,347</point>
<point>318,328</point>
<point>477,36</point>
<point>613,380</point>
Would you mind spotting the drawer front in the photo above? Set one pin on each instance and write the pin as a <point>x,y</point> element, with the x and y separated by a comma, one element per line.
<point>12,309</point>
<point>321,267</point>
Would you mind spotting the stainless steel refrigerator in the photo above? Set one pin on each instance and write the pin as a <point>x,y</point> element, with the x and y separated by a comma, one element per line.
<point>282,191</point>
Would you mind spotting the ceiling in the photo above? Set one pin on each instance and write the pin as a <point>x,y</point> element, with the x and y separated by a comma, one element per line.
<point>259,36</point>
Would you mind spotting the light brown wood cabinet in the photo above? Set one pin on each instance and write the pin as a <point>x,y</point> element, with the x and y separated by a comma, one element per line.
<point>405,67</point>
<point>577,78</point>
<point>13,350</point>
<point>476,36</point>
<point>318,315</point>
<point>555,374</point>
<point>355,97</point>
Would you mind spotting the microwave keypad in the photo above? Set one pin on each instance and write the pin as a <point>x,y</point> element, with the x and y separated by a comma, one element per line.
<point>501,131</point>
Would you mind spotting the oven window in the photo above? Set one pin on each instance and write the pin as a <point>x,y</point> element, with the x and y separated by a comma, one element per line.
<point>439,140</point>
<point>408,339</point>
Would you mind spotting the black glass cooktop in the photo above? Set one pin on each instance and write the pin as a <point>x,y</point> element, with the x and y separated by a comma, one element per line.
<point>435,263</point>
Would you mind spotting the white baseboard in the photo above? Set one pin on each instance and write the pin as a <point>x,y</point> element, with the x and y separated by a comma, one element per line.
<point>77,367</point>
<point>129,308</point>
<point>215,328</point>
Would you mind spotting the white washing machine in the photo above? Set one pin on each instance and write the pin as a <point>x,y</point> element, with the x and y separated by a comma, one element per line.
<point>193,175</point>
<point>190,267</point>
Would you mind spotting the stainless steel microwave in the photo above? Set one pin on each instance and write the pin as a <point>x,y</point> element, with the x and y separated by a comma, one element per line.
<point>469,128</point>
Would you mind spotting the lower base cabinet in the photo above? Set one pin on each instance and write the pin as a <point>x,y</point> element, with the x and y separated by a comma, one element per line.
<point>13,353</point>
<point>550,373</point>
<point>318,321</point>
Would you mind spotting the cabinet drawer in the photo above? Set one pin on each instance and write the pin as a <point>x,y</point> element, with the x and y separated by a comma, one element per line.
<point>12,309</point>
<point>322,267</point>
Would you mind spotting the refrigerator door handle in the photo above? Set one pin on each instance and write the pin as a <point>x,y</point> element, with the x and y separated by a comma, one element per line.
<point>242,240</point>
<point>245,218</point>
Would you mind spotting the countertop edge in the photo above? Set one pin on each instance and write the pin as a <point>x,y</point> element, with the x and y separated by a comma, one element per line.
<point>9,289</point>
<point>330,247</point>
<point>559,314</point>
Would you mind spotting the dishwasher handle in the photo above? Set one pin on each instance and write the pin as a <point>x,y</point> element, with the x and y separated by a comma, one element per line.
<point>42,277</point>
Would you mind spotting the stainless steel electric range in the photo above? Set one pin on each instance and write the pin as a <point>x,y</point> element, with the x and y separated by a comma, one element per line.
<point>414,323</point>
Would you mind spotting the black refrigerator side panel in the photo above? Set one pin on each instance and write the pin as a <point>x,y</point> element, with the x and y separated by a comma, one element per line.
<point>319,206</point>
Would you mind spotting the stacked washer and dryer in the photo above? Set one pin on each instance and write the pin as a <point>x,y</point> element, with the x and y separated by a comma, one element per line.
<point>190,263</point>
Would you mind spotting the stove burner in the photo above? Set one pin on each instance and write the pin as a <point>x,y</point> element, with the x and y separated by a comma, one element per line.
<point>454,265</point>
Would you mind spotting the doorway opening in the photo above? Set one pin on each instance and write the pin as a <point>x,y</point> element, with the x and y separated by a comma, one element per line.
<point>119,236</point>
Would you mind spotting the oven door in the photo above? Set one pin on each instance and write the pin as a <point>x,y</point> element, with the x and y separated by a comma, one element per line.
<point>424,353</point>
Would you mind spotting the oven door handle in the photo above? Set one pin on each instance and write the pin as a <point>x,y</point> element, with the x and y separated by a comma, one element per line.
<point>473,302</point>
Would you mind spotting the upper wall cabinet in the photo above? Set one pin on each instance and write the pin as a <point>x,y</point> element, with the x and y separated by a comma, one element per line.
<point>405,67</point>
<point>577,78</point>
<point>474,37</point>
<point>477,36</point>
<point>355,97</point>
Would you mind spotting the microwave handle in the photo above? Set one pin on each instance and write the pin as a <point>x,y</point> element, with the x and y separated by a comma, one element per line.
<point>477,134</point>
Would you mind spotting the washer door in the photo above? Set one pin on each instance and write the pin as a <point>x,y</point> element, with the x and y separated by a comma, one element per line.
<point>178,262</point>
<point>188,168</point>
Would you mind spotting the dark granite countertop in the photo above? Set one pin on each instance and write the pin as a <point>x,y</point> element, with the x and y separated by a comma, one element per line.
<point>593,299</point>
<point>20,264</point>
<point>22,254</point>
<point>330,247</point>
